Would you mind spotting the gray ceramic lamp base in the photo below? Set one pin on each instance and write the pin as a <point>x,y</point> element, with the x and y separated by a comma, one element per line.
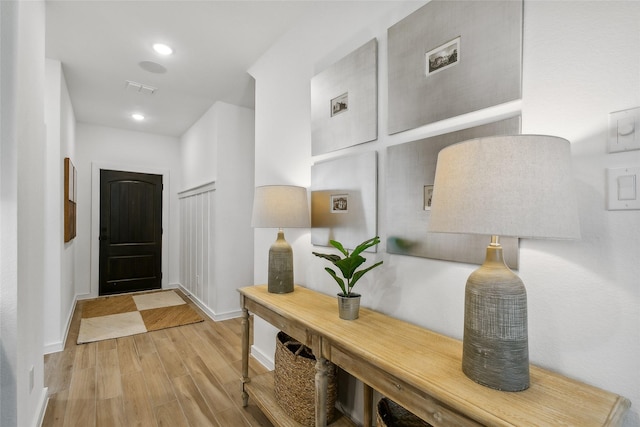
<point>495,345</point>
<point>280,266</point>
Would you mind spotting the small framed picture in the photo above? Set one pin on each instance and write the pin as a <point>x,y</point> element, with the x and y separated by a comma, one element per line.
<point>428,195</point>
<point>442,57</point>
<point>339,203</point>
<point>340,104</point>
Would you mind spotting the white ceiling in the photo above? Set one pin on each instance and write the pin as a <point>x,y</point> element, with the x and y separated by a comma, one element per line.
<point>101,45</point>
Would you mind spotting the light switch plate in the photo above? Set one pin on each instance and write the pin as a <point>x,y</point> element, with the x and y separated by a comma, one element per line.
<point>622,188</point>
<point>624,130</point>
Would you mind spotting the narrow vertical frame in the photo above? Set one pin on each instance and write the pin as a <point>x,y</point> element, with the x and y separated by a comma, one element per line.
<point>70,199</point>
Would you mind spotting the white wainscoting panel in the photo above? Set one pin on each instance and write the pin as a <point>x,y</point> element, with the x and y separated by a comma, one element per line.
<point>197,242</point>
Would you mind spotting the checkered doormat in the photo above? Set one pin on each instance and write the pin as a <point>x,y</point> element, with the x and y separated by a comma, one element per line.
<point>123,315</point>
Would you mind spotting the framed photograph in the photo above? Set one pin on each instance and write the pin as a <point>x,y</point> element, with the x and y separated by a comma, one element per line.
<point>344,200</point>
<point>344,101</point>
<point>428,196</point>
<point>339,203</point>
<point>411,169</point>
<point>70,199</point>
<point>340,104</point>
<point>442,57</point>
<point>450,58</point>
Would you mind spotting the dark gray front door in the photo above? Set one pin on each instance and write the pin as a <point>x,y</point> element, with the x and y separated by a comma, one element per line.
<point>130,232</point>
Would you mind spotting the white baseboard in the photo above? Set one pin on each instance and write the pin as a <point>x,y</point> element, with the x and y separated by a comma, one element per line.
<point>218,317</point>
<point>42,406</point>
<point>264,359</point>
<point>59,346</point>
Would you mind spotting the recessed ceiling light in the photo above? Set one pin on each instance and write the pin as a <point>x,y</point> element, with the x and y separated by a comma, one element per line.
<point>162,49</point>
<point>137,117</point>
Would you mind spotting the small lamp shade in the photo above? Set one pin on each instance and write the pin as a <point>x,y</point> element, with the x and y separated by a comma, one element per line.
<point>280,206</point>
<point>518,186</point>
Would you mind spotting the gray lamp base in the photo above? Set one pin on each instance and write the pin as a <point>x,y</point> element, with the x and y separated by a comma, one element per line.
<point>280,266</point>
<point>495,346</point>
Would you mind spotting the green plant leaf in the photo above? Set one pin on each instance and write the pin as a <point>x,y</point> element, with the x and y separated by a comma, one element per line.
<point>358,274</point>
<point>349,265</point>
<point>331,257</point>
<point>338,279</point>
<point>365,245</point>
<point>339,247</point>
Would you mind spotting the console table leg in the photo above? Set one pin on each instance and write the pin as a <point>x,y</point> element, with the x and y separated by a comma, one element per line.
<point>367,404</point>
<point>321,392</point>
<point>245,354</point>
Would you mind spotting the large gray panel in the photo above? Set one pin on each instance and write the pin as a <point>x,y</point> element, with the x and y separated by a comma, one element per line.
<point>411,167</point>
<point>486,70</point>
<point>344,101</point>
<point>344,200</point>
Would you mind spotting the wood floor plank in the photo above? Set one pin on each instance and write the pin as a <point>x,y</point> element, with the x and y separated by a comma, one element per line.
<point>213,337</point>
<point>144,344</point>
<point>108,375</point>
<point>50,362</point>
<point>81,407</point>
<point>56,408</point>
<point>232,417</point>
<point>209,386</point>
<point>170,358</point>
<point>230,334</point>
<point>228,373</point>
<point>106,345</point>
<point>170,415</point>
<point>195,407</point>
<point>110,412</point>
<point>128,360</point>
<point>137,404</point>
<point>158,383</point>
<point>62,367</point>
<point>85,356</point>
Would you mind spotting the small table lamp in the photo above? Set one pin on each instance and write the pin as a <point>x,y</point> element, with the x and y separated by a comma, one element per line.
<point>519,186</point>
<point>280,206</point>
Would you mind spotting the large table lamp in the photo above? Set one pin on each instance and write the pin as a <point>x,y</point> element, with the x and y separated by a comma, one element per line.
<point>518,186</point>
<point>280,206</point>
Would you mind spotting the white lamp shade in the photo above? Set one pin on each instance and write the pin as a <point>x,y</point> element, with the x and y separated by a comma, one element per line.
<point>519,186</point>
<point>280,206</point>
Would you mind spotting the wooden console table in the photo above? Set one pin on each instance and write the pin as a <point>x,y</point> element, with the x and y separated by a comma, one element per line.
<point>417,368</point>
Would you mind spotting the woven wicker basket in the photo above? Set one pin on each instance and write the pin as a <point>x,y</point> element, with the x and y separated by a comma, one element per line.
<point>294,381</point>
<point>390,414</point>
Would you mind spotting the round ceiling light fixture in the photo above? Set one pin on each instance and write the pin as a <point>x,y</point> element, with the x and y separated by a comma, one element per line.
<point>137,117</point>
<point>162,49</point>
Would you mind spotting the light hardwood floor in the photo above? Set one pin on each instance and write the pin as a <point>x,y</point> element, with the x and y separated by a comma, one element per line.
<point>182,376</point>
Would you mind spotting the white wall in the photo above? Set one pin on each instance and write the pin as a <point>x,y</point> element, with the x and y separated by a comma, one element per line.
<point>216,235</point>
<point>109,148</point>
<point>234,193</point>
<point>59,294</point>
<point>581,61</point>
<point>22,181</point>
<point>199,146</point>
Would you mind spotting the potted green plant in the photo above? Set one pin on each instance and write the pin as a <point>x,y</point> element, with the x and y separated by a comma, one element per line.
<point>348,301</point>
